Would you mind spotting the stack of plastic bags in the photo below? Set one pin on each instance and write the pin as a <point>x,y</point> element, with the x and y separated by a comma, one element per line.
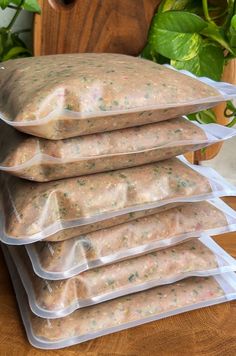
<point>113,227</point>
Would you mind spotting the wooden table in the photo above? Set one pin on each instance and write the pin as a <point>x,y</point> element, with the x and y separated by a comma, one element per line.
<point>208,331</point>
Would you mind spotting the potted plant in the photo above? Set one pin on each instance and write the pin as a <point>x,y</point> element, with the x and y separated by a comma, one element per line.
<point>198,36</point>
<point>11,45</point>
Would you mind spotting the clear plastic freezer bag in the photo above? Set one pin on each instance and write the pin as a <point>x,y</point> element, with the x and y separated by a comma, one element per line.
<point>67,208</point>
<point>43,160</point>
<point>63,259</point>
<point>69,95</point>
<point>54,299</point>
<point>121,313</point>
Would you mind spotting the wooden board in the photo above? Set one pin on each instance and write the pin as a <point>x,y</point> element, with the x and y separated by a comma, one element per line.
<point>118,26</point>
<point>209,331</point>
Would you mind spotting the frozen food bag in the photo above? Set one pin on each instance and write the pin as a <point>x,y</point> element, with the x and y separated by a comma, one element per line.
<point>44,160</point>
<point>123,312</point>
<point>54,299</point>
<point>63,259</point>
<point>70,207</point>
<point>70,95</point>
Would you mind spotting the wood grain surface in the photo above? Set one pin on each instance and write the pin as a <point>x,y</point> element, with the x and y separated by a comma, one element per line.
<point>118,26</point>
<point>208,331</point>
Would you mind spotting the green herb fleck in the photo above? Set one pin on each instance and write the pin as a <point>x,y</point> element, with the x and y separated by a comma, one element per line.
<point>102,107</point>
<point>133,277</point>
<point>81,181</point>
<point>90,165</point>
<point>69,107</point>
<point>110,281</point>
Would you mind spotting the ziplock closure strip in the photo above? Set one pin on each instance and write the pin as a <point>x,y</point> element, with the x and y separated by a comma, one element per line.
<point>40,158</point>
<point>57,113</point>
<point>135,251</point>
<point>226,264</point>
<point>227,282</point>
<point>44,158</point>
<point>215,133</point>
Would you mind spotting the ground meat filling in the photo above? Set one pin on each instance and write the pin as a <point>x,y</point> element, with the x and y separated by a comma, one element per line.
<point>80,251</point>
<point>134,307</point>
<point>157,267</point>
<point>31,208</point>
<point>68,95</point>
<point>43,160</point>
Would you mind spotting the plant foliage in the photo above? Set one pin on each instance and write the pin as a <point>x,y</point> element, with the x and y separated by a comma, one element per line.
<point>11,45</point>
<point>195,35</point>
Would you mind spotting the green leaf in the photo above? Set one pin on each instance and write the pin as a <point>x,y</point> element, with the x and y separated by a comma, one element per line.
<point>230,109</point>
<point>207,116</point>
<point>16,2</point>
<point>217,34</point>
<point>203,117</point>
<point>148,53</point>
<point>230,106</point>
<point>168,5</point>
<point>6,39</point>
<point>233,22</point>
<point>192,117</point>
<point>29,5</point>
<point>230,112</point>
<point>180,21</point>
<point>11,46</point>
<point>174,35</point>
<point>16,52</point>
<point>32,6</point>
<point>230,13</point>
<point>179,46</point>
<point>232,123</point>
<point>209,62</point>
<point>232,32</point>
<point>4,3</point>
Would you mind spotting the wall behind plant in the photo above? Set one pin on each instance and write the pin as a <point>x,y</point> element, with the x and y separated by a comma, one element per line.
<point>25,20</point>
